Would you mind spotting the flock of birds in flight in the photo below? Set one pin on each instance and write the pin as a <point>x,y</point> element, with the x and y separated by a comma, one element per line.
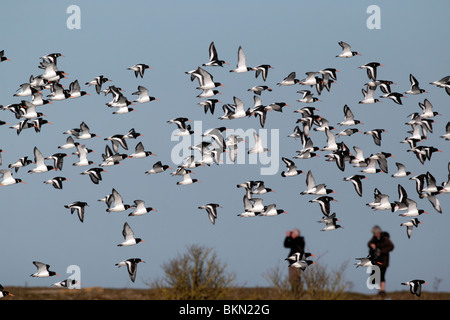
<point>420,122</point>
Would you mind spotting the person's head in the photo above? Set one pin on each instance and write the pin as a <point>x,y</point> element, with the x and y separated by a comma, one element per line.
<point>295,233</point>
<point>376,231</point>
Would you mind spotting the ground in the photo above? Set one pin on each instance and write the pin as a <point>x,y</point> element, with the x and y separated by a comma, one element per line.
<point>99,293</point>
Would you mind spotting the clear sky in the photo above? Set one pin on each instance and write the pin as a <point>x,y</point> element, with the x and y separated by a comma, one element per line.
<point>173,37</point>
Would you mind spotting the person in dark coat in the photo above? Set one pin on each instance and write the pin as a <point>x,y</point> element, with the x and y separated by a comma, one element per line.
<point>296,243</point>
<point>380,245</point>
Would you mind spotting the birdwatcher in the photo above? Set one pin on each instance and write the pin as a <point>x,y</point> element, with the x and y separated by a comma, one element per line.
<point>295,243</point>
<point>380,245</point>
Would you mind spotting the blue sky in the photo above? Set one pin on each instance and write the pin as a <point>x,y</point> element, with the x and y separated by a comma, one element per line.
<point>173,37</point>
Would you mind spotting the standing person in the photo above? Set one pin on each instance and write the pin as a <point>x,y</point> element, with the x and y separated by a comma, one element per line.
<point>379,247</point>
<point>296,243</point>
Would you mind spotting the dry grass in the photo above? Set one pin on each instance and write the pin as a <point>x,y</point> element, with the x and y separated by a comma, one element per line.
<point>259,293</point>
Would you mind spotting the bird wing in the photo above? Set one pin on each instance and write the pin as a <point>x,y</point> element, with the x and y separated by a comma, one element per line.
<point>213,52</point>
<point>310,181</point>
<point>289,163</point>
<point>6,173</point>
<point>132,268</point>
<point>239,105</point>
<point>348,114</point>
<point>38,157</point>
<point>117,197</point>
<point>127,232</point>
<point>241,58</point>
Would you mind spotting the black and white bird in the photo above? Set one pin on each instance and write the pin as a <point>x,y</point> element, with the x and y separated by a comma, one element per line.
<point>308,97</point>
<point>368,261</point>
<point>209,105</point>
<point>131,265</point>
<point>58,159</point>
<point>139,69</point>
<point>277,106</point>
<point>401,171</point>
<point>259,88</point>
<point>206,80</point>
<point>143,95</point>
<point>98,82</point>
<point>158,167</point>
<point>68,283</point>
<point>79,207</point>
<point>313,188</point>
<point>394,96</point>
<point>117,140</point>
<point>95,174</point>
<point>349,118</point>
<point>443,83</point>
<point>117,204</point>
<point>411,209</point>
<point>260,188</point>
<point>39,161</point>
<point>75,90</point>
<point>381,158</point>
<point>298,256</point>
<point>2,56</point>
<point>258,146</point>
<point>214,57</point>
<point>140,152</point>
<point>347,132</point>
<point>208,93</point>
<point>82,133</point>
<point>415,286</point>
<point>325,204</point>
<point>82,153</point>
<point>4,293</point>
<point>427,110</point>
<point>290,80</point>
<point>232,142</point>
<point>57,92</point>
<point>128,235</point>
<point>211,209</point>
<point>70,143</point>
<point>242,62</point>
<point>43,270</point>
<point>7,178</point>
<point>20,163</point>
<point>381,201</point>
<point>56,182</point>
<point>271,211</point>
<point>263,70</point>
<point>376,135</point>
<point>368,94</point>
<point>330,219</point>
<point>187,179</point>
<point>371,69</point>
<point>415,88</point>
<point>357,182</point>
<point>302,264</point>
<point>183,127</point>
<point>346,51</point>
<point>140,208</point>
<point>235,111</point>
<point>410,224</point>
<point>291,168</point>
<point>25,90</point>
<point>331,224</point>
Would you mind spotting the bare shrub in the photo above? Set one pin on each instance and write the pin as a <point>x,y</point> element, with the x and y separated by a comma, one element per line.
<point>197,274</point>
<point>318,282</point>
